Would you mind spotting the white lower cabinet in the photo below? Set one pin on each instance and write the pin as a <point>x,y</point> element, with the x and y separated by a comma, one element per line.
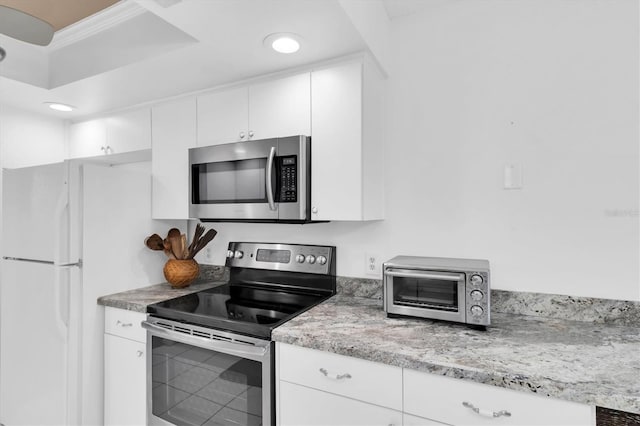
<point>463,402</point>
<point>321,388</point>
<point>125,373</point>
<point>300,405</point>
<point>409,420</point>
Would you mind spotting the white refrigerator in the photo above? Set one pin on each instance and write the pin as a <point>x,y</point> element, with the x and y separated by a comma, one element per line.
<point>71,232</point>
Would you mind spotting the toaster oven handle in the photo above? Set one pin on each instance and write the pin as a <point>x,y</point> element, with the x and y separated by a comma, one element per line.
<point>272,154</point>
<point>423,275</point>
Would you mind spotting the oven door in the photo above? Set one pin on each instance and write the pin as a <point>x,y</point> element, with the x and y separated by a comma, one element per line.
<point>425,294</point>
<point>197,375</point>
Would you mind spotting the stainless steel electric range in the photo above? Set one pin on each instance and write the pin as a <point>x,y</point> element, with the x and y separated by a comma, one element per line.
<point>210,358</point>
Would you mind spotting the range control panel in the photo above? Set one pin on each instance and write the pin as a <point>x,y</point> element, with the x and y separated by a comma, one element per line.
<point>282,257</point>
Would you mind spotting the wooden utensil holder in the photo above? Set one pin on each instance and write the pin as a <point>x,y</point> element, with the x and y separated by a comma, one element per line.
<point>181,273</point>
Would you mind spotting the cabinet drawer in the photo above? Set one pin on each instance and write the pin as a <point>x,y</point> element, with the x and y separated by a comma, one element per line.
<point>355,378</point>
<point>123,323</point>
<point>441,399</point>
<point>302,406</point>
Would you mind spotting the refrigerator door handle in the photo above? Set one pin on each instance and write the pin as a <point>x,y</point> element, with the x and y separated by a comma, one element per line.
<point>61,304</point>
<point>61,227</point>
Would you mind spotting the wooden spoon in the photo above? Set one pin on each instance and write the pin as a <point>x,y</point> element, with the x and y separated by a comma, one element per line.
<point>154,242</point>
<point>167,249</point>
<point>176,247</point>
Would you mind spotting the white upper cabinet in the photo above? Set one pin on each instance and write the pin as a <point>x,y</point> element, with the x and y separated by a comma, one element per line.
<point>174,132</point>
<point>280,108</point>
<point>347,159</point>
<point>223,116</point>
<point>265,110</point>
<point>115,134</point>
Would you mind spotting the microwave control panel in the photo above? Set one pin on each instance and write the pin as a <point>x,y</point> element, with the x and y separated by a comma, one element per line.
<point>288,178</point>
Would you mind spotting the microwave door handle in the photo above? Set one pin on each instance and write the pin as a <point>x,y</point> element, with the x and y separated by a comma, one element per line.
<point>425,275</point>
<point>272,154</point>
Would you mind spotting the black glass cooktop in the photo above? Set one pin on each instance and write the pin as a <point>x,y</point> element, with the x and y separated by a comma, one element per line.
<point>250,310</point>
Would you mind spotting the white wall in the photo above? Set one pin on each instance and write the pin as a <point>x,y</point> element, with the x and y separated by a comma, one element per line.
<point>550,85</point>
<point>28,139</point>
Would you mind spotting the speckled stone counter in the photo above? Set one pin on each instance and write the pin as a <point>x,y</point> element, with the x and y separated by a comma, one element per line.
<point>586,362</point>
<point>138,299</point>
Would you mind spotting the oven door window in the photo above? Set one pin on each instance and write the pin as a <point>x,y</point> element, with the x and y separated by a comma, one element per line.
<point>439,294</point>
<point>195,386</point>
<point>230,182</point>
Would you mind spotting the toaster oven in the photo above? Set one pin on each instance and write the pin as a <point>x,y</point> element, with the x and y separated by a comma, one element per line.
<point>438,288</point>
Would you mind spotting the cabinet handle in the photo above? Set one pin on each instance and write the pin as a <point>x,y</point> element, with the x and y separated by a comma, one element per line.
<point>314,210</point>
<point>487,413</point>
<point>335,376</point>
<point>123,324</point>
<point>139,353</point>
<point>251,134</point>
<point>242,135</point>
<point>106,149</point>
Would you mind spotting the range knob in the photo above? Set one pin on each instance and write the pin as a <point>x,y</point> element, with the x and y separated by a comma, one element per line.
<point>300,258</point>
<point>476,310</point>
<point>476,295</point>
<point>229,253</point>
<point>238,254</point>
<point>476,279</point>
<point>322,260</point>
<point>311,259</point>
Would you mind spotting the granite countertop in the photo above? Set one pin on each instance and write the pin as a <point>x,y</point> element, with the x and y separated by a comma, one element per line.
<point>138,299</point>
<point>585,362</point>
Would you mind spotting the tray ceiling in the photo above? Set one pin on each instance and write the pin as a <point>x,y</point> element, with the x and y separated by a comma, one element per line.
<point>59,13</point>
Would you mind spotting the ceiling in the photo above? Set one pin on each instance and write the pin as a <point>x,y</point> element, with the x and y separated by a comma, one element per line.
<point>59,13</point>
<point>138,51</point>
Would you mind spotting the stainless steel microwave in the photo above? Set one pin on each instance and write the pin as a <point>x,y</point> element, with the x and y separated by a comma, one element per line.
<point>266,180</point>
<point>439,288</point>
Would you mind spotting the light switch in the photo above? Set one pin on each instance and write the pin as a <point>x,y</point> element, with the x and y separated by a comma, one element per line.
<point>513,176</point>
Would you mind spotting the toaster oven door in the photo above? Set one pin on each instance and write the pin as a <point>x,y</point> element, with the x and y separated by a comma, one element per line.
<point>425,294</point>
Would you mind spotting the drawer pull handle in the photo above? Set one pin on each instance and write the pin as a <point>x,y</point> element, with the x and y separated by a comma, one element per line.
<point>139,353</point>
<point>335,376</point>
<point>122,324</point>
<point>487,413</point>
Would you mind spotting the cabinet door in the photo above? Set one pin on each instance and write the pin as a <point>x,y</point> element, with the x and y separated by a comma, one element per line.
<point>453,401</point>
<point>174,132</point>
<point>409,420</point>
<point>336,148</point>
<point>280,107</point>
<point>125,401</point>
<point>87,138</point>
<point>222,117</point>
<point>299,405</point>
<point>129,131</point>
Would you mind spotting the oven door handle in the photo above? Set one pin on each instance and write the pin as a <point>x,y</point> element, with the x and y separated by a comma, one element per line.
<point>423,275</point>
<point>237,349</point>
<point>272,154</point>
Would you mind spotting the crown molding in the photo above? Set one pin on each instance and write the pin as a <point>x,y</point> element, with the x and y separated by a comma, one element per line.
<point>109,17</point>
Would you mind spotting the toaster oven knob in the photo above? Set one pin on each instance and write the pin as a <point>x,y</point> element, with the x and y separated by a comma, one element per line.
<point>476,279</point>
<point>311,259</point>
<point>230,253</point>
<point>322,260</point>
<point>476,310</point>
<point>300,258</point>
<point>477,295</point>
<point>238,254</point>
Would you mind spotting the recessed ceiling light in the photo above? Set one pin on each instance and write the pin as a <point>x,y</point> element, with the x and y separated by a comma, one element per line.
<point>59,107</point>
<point>283,42</point>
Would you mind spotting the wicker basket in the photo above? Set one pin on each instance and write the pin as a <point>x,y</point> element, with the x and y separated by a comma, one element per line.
<point>180,273</point>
